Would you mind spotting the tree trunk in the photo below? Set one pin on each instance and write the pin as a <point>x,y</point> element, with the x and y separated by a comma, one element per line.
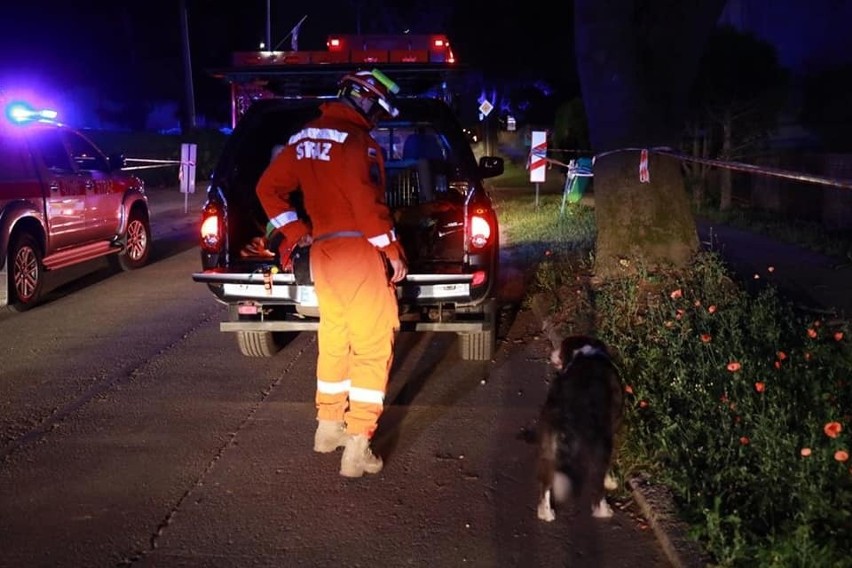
<point>636,61</point>
<point>640,228</point>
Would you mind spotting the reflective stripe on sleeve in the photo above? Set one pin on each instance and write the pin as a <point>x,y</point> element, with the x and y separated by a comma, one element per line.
<point>337,387</point>
<point>383,240</point>
<point>371,396</point>
<point>284,219</point>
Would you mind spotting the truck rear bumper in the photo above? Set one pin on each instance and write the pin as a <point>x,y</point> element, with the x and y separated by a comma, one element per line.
<point>282,288</point>
<point>433,290</point>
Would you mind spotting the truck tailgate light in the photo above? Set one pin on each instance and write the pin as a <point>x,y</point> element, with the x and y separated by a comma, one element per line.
<point>211,228</point>
<point>480,231</point>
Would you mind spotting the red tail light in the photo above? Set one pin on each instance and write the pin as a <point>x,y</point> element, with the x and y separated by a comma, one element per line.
<point>212,228</point>
<point>481,227</point>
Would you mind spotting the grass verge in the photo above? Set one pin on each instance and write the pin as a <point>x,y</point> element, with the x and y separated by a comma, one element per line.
<point>737,403</point>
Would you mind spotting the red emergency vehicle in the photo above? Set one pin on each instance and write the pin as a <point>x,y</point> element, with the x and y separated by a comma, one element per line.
<point>415,61</point>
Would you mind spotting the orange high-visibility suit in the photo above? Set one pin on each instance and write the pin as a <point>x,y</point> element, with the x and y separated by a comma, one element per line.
<point>340,169</point>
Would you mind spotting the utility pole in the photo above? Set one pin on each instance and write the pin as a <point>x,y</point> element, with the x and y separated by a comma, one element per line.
<point>189,91</point>
<point>268,25</point>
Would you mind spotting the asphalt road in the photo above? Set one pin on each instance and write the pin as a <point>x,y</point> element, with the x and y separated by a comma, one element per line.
<point>132,433</point>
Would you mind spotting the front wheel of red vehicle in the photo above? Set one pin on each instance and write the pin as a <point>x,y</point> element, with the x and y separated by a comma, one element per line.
<point>137,242</point>
<point>26,273</point>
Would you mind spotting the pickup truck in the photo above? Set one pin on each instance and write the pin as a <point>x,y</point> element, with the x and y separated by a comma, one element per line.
<point>62,203</point>
<point>444,218</point>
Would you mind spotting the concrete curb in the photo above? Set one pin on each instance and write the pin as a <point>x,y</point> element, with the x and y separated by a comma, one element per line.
<point>658,508</point>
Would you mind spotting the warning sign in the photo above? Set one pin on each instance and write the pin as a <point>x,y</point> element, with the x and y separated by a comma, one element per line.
<point>538,155</point>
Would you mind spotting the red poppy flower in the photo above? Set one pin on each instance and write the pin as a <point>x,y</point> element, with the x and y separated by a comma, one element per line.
<point>711,309</point>
<point>705,338</point>
<point>805,452</point>
<point>838,335</point>
<point>734,366</point>
<point>777,364</point>
<point>745,441</point>
<point>643,404</point>
<point>841,455</point>
<point>812,333</point>
<point>781,355</point>
<point>759,387</point>
<point>832,429</point>
<point>676,294</point>
<point>628,389</point>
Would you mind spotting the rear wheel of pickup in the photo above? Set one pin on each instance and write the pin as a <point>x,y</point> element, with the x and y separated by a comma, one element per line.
<point>479,346</point>
<point>260,343</point>
<point>137,242</point>
<point>26,273</point>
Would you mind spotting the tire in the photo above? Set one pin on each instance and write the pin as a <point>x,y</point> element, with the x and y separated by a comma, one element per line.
<point>259,343</point>
<point>137,242</point>
<point>26,273</point>
<point>479,346</point>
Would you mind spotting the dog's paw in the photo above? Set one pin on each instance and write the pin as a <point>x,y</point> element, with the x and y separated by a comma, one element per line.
<point>610,483</point>
<point>546,512</point>
<point>602,510</point>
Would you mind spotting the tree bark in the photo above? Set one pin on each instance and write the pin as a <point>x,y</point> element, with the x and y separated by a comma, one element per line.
<point>636,61</point>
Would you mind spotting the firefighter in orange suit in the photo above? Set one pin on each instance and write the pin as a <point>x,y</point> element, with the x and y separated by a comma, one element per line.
<point>339,168</point>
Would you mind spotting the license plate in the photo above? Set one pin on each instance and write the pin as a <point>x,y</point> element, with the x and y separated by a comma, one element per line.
<point>307,296</point>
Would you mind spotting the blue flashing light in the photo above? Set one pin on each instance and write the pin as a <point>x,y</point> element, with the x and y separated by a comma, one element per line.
<point>20,112</point>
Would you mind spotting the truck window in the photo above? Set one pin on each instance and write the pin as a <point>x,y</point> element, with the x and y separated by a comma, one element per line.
<point>84,154</point>
<point>53,152</point>
<point>15,162</point>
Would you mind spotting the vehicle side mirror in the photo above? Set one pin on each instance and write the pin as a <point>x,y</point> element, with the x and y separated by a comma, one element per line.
<point>116,162</point>
<point>490,166</point>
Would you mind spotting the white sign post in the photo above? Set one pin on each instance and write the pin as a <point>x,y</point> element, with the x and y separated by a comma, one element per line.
<point>187,172</point>
<point>485,109</point>
<point>538,161</point>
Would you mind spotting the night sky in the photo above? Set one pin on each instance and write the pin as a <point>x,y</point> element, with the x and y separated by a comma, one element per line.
<point>112,50</point>
<point>97,53</point>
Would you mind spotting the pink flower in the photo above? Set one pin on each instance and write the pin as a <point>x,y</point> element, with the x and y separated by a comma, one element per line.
<point>805,452</point>
<point>734,366</point>
<point>745,441</point>
<point>759,387</point>
<point>676,294</point>
<point>841,455</point>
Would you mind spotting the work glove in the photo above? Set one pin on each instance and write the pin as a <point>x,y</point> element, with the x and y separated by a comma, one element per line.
<point>395,256</point>
<point>283,241</point>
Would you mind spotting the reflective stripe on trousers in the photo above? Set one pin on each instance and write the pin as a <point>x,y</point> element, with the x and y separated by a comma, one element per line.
<point>358,318</point>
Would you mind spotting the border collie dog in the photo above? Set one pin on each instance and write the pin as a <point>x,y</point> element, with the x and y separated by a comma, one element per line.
<point>577,427</point>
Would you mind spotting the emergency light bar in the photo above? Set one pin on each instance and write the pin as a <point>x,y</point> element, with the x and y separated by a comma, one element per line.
<point>19,112</point>
<point>359,49</point>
